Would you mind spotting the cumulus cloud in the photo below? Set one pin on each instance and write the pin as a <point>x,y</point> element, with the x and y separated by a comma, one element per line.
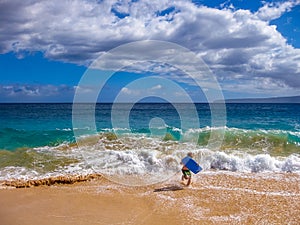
<point>273,10</point>
<point>134,91</point>
<point>236,44</point>
<point>127,91</point>
<point>157,87</point>
<point>36,93</point>
<point>153,87</point>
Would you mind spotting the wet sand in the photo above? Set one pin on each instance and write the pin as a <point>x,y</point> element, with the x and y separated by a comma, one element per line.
<point>213,198</point>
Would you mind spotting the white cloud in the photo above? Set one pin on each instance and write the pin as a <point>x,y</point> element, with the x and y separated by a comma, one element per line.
<point>35,93</point>
<point>236,44</point>
<point>273,10</point>
<point>128,91</point>
<point>156,87</point>
<point>135,91</point>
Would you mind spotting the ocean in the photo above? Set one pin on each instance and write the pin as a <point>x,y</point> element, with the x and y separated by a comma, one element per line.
<point>145,140</point>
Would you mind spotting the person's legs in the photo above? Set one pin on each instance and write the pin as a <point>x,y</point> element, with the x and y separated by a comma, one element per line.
<point>189,181</point>
<point>183,177</point>
<point>186,176</point>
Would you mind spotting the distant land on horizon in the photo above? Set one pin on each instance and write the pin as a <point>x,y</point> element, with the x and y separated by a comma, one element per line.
<point>290,99</point>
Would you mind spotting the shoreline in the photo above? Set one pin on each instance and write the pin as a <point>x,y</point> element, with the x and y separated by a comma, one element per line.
<point>67,179</point>
<point>214,198</point>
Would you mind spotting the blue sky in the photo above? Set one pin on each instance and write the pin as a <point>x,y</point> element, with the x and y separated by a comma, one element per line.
<point>251,47</point>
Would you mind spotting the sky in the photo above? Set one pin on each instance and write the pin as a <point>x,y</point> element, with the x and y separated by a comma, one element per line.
<point>251,49</point>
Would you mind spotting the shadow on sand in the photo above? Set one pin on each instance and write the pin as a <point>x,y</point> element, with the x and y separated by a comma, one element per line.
<point>169,188</point>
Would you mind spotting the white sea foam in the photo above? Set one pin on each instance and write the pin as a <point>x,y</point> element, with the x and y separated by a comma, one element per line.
<point>273,193</point>
<point>149,158</point>
<point>140,154</point>
<point>253,163</point>
<point>64,129</point>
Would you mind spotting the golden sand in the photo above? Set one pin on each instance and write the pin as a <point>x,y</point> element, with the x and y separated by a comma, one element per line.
<point>213,198</point>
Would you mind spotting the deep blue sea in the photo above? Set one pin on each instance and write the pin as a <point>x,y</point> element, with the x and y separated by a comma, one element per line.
<point>38,140</point>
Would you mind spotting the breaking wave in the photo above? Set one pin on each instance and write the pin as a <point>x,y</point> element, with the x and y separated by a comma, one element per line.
<point>151,158</point>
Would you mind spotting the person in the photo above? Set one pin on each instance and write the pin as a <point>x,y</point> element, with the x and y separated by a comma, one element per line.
<point>186,173</point>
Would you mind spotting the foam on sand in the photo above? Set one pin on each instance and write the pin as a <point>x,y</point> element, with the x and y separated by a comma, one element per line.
<point>215,198</point>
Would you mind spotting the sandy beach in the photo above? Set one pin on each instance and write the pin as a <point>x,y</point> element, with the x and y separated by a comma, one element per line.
<point>213,198</point>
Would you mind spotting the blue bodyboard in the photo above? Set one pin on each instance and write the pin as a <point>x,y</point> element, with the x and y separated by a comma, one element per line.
<point>191,164</point>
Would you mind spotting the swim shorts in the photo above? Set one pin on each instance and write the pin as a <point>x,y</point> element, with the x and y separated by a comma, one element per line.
<point>186,173</point>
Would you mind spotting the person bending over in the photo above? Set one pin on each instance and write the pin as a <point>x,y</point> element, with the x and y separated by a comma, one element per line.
<point>186,173</point>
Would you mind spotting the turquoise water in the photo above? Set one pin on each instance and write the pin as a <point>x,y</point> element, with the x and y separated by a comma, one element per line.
<point>32,136</point>
<point>34,125</point>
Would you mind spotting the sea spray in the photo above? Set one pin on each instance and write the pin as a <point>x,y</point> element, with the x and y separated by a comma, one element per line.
<point>139,156</point>
<point>37,141</point>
